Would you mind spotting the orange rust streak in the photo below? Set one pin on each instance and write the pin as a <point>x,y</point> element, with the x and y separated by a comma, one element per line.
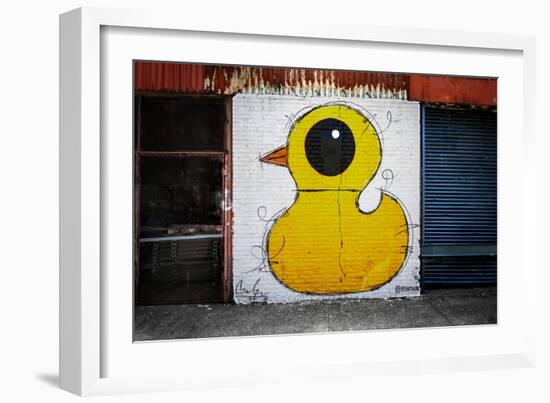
<point>277,157</point>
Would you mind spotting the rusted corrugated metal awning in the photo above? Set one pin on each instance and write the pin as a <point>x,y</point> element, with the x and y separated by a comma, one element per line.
<point>453,90</point>
<point>191,78</point>
<point>229,80</point>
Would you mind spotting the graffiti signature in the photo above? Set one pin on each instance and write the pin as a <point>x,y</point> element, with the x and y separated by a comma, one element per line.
<point>253,294</point>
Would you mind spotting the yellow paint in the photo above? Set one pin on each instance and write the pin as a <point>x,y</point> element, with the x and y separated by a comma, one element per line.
<point>323,244</point>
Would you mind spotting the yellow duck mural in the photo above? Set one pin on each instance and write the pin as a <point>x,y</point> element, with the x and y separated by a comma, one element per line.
<point>323,243</point>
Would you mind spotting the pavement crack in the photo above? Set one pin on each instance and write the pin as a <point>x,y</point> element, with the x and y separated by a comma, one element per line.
<point>449,321</point>
<point>328,317</point>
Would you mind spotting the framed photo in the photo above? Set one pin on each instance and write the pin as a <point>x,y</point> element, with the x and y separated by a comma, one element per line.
<point>227,188</point>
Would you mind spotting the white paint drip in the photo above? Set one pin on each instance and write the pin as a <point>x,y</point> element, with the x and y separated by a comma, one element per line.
<point>247,80</point>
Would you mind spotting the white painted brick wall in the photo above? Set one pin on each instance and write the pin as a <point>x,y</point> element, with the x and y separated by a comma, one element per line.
<point>260,125</point>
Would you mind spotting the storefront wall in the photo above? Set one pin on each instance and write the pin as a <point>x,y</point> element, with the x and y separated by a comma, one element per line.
<point>301,233</point>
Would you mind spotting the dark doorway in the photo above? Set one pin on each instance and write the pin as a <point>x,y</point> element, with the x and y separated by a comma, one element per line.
<point>182,198</point>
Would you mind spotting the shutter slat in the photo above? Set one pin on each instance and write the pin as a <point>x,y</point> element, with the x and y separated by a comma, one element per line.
<point>459,193</point>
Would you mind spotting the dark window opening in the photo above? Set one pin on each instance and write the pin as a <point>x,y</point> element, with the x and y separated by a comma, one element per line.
<point>180,196</point>
<point>170,123</point>
<point>182,152</point>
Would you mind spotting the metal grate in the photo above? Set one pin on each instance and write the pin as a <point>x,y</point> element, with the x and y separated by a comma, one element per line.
<point>459,270</point>
<point>459,195</point>
<point>180,271</point>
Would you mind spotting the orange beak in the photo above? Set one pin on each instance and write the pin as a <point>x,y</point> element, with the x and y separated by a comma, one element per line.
<point>277,157</point>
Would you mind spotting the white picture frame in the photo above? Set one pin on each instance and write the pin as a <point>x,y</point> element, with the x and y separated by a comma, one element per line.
<point>97,355</point>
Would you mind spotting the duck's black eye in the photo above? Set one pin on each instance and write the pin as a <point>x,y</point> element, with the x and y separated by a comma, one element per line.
<point>330,147</point>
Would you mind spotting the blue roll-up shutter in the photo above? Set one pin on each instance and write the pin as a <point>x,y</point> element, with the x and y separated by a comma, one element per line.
<point>459,196</point>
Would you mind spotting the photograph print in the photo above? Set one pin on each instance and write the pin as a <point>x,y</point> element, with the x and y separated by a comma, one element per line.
<point>276,200</point>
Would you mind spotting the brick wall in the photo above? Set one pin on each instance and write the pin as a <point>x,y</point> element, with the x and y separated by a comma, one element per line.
<point>262,192</point>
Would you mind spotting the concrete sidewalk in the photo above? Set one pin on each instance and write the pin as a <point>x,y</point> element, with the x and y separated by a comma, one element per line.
<point>450,307</point>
